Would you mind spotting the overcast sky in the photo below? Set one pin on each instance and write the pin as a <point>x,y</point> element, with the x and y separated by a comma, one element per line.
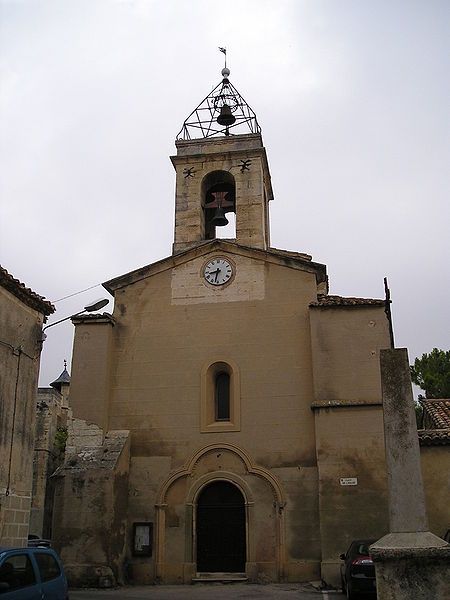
<point>352,99</point>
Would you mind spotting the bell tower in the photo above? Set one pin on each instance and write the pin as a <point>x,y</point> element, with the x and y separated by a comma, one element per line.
<point>221,167</point>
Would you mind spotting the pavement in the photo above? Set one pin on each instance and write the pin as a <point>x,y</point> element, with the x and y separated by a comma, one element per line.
<point>209,591</point>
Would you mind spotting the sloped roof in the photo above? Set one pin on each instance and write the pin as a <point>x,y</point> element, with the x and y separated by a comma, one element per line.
<point>437,411</point>
<point>325,301</point>
<point>285,258</point>
<point>434,437</point>
<point>62,379</point>
<point>25,294</point>
<point>92,318</point>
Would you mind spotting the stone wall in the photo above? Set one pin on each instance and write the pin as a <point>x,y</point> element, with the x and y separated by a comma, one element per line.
<point>20,328</point>
<point>51,414</point>
<point>253,188</point>
<point>91,498</point>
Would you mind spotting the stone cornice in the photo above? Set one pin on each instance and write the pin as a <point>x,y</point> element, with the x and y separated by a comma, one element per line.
<point>344,403</point>
<point>293,261</point>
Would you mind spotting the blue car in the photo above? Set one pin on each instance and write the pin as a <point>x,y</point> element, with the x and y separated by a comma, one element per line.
<point>32,574</point>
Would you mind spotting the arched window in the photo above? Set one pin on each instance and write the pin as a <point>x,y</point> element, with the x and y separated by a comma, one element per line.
<point>222,396</point>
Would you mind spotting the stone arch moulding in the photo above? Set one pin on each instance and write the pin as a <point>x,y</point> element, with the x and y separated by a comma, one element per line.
<point>251,468</point>
<point>213,476</point>
<point>191,497</point>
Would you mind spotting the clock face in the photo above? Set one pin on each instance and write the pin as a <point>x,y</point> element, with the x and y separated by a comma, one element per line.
<point>218,271</point>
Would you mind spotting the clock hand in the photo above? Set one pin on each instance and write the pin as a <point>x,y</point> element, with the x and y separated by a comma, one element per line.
<point>217,273</point>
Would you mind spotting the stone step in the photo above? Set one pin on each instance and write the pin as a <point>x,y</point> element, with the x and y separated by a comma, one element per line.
<point>220,578</point>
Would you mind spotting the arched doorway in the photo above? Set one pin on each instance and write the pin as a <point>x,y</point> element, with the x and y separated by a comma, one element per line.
<point>220,525</point>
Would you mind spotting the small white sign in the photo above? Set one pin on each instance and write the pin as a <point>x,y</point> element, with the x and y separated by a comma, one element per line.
<point>348,481</point>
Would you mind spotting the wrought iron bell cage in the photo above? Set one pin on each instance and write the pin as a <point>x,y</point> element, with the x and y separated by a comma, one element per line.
<point>223,99</point>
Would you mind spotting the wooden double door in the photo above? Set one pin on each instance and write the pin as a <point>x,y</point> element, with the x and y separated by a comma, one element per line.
<point>221,534</point>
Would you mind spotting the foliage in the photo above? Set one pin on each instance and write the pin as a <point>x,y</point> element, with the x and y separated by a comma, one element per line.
<point>61,439</point>
<point>432,373</point>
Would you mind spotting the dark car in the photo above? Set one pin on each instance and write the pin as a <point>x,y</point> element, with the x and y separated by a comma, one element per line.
<point>358,570</point>
<point>31,574</point>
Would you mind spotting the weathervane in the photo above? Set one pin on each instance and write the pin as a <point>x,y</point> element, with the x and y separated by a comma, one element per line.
<point>224,50</point>
<point>222,109</point>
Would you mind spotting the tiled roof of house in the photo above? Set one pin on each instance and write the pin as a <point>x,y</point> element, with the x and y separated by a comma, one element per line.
<point>90,318</point>
<point>434,437</point>
<point>326,301</point>
<point>437,411</point>
<point>25,294</point>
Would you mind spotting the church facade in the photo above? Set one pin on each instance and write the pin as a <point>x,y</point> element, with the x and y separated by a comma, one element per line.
<point>228,414</point>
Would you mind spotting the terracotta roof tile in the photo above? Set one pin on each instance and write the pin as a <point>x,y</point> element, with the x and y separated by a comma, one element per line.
<point>437,412</point>
<point>25,294</point>
<point>434,437</point>
<point>326,301</point>
<point>90,318</point>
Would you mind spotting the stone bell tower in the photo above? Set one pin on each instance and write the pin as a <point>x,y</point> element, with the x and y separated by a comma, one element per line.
<point>222,172</point>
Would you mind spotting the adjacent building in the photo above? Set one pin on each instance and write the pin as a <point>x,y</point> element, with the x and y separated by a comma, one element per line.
<point>434,439</point>
<point>52,415</point>
<point>22,314</point>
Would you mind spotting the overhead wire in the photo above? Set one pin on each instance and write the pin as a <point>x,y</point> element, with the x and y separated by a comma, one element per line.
<point>76,293</point>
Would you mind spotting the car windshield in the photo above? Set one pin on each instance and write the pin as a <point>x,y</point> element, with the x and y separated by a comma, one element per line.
<point>362,547</point>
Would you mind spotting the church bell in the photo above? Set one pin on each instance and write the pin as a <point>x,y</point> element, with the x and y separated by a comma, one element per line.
<point>226,118</point>
<point>219,219</point>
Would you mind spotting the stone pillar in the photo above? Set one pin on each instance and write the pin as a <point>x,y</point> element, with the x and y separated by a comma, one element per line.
<point>410,562</point>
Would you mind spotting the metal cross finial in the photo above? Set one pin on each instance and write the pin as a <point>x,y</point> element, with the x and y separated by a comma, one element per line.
<point>224,50</point>
<point>387,310</point>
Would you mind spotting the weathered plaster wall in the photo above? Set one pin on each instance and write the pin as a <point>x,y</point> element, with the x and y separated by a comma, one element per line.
<point>350,444</point>
<point>435,463</point>
<point>20,328</point>
<point>91,370</point>
<point>89,520</point>
<point>346,344</point>
<point>160,350</point>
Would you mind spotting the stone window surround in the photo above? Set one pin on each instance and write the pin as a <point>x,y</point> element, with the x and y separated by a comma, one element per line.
<point>208,423</point>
